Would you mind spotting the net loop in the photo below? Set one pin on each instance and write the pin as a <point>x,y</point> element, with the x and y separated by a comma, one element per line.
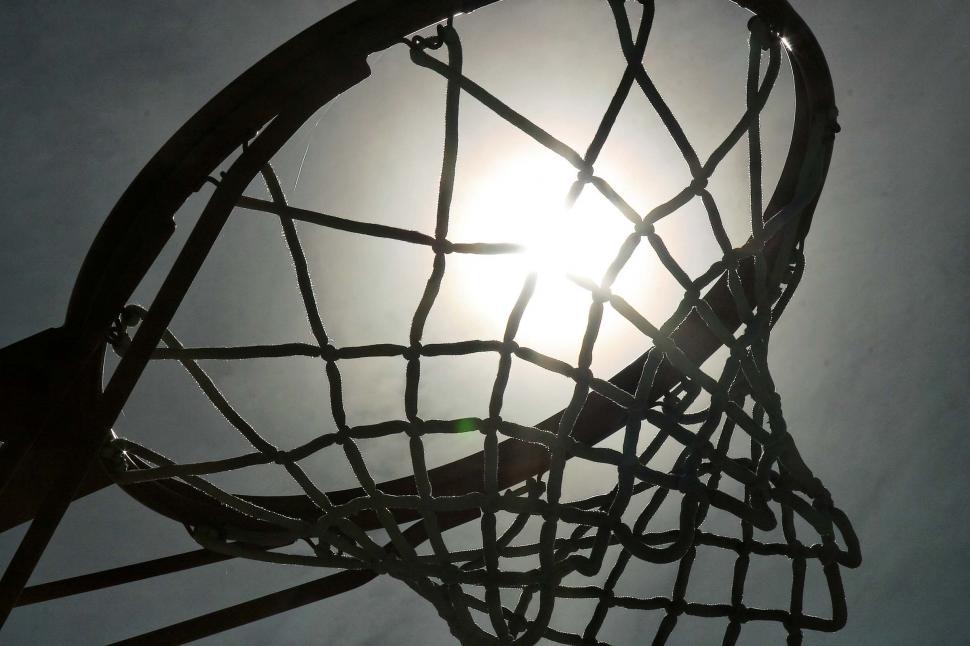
<point>762,35</point>
<point>429,42</point>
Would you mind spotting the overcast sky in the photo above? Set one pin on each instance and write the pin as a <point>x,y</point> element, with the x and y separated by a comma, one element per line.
<point>871,358</point>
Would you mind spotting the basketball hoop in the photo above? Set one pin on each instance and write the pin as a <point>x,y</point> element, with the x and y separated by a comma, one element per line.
<point>668,395</point>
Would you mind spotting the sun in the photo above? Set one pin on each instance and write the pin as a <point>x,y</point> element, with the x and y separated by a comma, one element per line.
<point>524,201</point>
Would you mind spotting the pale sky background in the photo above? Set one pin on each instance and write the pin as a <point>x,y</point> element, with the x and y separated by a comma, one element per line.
<point>871,358</point>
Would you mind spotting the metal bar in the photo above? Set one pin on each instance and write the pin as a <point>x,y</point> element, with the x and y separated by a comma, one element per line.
<point>69,467</point>
<point>253,610</point>
<point>12,455</point>
<point>119,576</point>
<point>278,602</point>
<point>70,439</point>
<point>20,495</point>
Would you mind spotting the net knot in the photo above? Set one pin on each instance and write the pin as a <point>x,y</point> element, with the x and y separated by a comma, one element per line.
<point>738,614</point>
<point>281,457</point>
<point>628,462</point>
<point>517,624</point>
<point>690,484</point>
<point>645,228</point>
<point>828,551</point>
<point>342,435</point>
<point>510,347</point>
<point>698,185</point>
<point>677,607</point>
<point>583,376</point>
<point>821,501</point>
<point>746,548</point>
<point>794,632</point>
<point>600,294</point>
<point>585,175</point>
<point>328,353</point>
<point>415,428</point>
<point>441,246</point>
<point>733,257</point>
<point>450,575</point>
<point>760,491</point>
<point>551,512</point>
<point>413,353</point>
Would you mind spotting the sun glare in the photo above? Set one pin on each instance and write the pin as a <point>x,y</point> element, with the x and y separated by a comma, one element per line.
<point>524,202</point>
